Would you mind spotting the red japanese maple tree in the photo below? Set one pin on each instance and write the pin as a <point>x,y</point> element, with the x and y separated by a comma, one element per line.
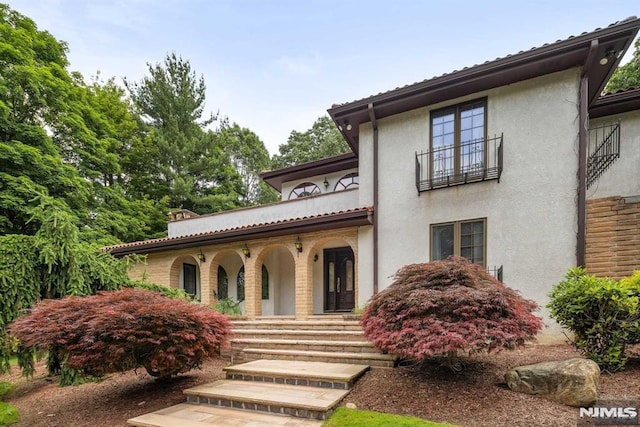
<point>447,307</point>
<point>122,330</point>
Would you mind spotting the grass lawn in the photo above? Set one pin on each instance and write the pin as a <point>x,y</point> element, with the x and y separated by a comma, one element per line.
<point>345,417</point>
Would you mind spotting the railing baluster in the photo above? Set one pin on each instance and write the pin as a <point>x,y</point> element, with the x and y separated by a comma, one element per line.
<point>477,160</point>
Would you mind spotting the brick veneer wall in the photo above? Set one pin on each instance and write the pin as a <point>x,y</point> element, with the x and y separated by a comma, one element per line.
<point>613,236</point>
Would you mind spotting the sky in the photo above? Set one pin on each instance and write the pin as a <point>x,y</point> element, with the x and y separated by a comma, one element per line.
<point>275,66</point>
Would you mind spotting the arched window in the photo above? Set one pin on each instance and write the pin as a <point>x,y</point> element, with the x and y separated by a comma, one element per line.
<point>348,181</point>
<point>240,285</point>
<point>223,283</point>
<point>265,283</point>
<point>304,190</point>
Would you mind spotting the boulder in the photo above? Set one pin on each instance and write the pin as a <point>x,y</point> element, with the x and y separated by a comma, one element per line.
<point>571,382</point>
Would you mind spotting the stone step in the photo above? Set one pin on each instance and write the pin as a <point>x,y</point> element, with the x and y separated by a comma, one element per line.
<point>371,359</point>
<point>301,334</point>
<point>315,345</point>
<point>188,415</point>
<point>336,325</point>
<point>293,372</point>
<point>298,401</point>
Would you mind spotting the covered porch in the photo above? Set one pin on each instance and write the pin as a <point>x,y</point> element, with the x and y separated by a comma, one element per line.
<point>299,267</point>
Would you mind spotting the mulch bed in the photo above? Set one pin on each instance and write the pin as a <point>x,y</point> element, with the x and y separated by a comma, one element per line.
<point>476,396</point>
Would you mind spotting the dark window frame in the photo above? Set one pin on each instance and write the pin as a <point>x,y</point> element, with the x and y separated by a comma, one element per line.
<point>190,269</point>
<point>351,180</point>
<point>457,237</point>
<point>223,283</point>
<point>457,111</point>
<point>240,288</point>
<point>305,189</point>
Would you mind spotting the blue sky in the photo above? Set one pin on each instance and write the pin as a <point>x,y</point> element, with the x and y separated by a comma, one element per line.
<point>275,66</point>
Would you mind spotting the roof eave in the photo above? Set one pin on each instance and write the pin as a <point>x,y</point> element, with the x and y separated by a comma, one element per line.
<point>276,178</point>
<point>572,52</point>
<point>616,103</point>
<point>354,218</point>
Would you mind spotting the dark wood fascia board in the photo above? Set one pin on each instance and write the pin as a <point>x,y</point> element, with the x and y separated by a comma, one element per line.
<point>616,103</point>
<point>356,218</point>
<point>562,55</point>
<point>276,178</point>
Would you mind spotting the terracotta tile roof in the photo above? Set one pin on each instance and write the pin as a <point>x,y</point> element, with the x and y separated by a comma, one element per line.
<point>358,216</point>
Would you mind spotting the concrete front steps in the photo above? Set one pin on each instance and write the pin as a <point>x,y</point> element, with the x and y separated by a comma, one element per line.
<point>262,393</point>
<point>333,339</point>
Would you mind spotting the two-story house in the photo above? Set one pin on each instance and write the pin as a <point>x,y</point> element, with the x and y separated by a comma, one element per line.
<point>519,164</point>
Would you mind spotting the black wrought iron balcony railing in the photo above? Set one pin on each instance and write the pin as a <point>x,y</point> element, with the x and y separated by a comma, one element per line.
<point>604,149</point>
<point>446,166</point>
<point>496,271</point>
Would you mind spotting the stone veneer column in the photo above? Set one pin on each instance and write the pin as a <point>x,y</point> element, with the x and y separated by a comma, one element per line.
<point>304,281</point>
<point>205,281</point>
<point>252,291</point>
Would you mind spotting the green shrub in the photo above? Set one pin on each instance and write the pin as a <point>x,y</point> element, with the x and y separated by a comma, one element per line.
<point>6,388</point>
<point>345,417</point>
<point>8,414</point>
<point>227,306</point>
<point>603,315</point>
<point>164,290</point>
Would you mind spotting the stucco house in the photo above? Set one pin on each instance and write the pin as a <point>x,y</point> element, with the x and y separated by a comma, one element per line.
<point>520,164</point>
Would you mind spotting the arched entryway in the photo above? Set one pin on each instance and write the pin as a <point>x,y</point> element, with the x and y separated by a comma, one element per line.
<point>278,281</point>
<point>335,282</point>
<point>185,275</point>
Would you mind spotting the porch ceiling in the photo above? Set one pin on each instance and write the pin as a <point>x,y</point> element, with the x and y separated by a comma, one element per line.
<point>350,218</point>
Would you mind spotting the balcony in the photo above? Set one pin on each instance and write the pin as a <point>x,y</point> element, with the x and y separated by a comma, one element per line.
<point>604,150</point>
<point>474,161</point>
<point>281,211</point>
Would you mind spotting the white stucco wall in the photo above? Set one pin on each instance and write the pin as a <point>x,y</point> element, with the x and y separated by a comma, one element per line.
<point>530,215</point>
<point>297,208</point>
<point>622,178</point>
<point>331,178</point>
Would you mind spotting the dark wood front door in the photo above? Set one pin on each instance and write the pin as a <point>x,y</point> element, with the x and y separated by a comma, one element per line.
<point>339,279</point>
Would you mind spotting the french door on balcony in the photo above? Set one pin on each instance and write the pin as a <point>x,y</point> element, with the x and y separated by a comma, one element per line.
<point>339,279</point>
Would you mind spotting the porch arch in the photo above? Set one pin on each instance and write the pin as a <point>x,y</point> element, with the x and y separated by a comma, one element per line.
<point>185,274</point>
<point>230,261</point>
<point>279,261</point>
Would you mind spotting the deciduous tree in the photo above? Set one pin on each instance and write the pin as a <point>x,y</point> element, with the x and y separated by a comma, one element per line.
<point>446,307</point>
<point>123,330</point>
<point>628,75</point>
<point>249,157</point>
<point>322,140</point>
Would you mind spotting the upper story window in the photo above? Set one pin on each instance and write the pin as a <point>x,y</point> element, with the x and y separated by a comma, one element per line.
<point>348,181</point>
<point>459,150</point>
<point>457,139</point>
<point>304,190</point>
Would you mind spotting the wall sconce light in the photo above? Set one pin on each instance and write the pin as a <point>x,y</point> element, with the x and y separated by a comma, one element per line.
<point>609,54</point>
<point>326,183</point>
<point>246,251</point>
<point>298,245</point>
<point>201,257</point>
